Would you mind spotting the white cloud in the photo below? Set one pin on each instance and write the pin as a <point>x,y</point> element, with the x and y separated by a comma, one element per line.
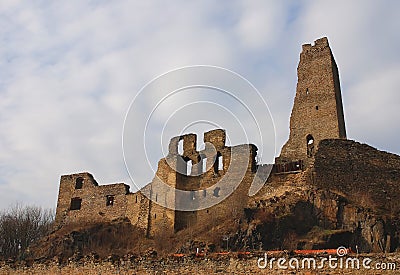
<point>70,69</point>
<point>374,109</point>
<point>260,25</point>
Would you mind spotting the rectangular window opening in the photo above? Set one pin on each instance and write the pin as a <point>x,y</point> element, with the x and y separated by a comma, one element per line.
<point>76,204</point>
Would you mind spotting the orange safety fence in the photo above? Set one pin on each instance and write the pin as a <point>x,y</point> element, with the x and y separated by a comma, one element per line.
<point>271,252</point>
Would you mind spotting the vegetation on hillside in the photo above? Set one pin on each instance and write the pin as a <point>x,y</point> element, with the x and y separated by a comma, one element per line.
<point>20,226</point>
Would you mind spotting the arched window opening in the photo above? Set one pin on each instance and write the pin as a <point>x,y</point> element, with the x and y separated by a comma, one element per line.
<point>204,165</point>
<point>189,167</point>
<point>180,147</point>
<point>307,92</point>
<point>310,145</point>
<point>219,163</point>
<point>79,183</point>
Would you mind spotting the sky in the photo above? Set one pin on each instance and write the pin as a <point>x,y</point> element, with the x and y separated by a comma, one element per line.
<point>70,70</point>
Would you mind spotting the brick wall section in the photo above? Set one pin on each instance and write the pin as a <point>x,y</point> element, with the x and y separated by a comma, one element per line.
<point>317,109</point>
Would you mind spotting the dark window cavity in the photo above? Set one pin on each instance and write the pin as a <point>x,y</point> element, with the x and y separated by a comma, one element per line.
<point>216,191</point>
<point>219,163</point>
<point>310,145</point>
<point>79,183</point>
<point>76,204</point>
<point>110,200</point>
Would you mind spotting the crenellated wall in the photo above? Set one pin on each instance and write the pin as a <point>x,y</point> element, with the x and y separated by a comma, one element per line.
<point>209,175</point>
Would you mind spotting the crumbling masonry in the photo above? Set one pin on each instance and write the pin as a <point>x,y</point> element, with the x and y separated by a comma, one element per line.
<point>212,171</point>
<point>317,114</point>
<point>317,110</point>
<point>221,171</point>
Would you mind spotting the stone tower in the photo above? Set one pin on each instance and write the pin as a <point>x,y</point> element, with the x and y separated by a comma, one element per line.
<point>317,112</point>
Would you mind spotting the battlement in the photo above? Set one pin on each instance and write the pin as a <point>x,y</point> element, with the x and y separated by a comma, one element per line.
<point>215,137</point>
<point>318,44</point>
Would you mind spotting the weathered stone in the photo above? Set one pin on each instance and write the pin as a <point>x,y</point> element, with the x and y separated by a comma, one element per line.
<point>317,112</point>
<point>323,189</point>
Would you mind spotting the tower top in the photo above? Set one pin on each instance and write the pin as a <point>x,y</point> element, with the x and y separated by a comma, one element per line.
<point>319,43</point>
<point>317,112</point>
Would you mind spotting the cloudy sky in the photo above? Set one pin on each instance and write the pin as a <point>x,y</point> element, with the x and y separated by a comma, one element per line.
<point>69,71</point>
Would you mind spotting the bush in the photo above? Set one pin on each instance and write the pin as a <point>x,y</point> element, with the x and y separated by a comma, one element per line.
<point>20,226</point>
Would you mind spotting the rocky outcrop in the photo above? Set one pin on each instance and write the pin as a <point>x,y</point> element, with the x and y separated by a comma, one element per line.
<point>349,197</point>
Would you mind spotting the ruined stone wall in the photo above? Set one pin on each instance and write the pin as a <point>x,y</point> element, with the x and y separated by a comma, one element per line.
<point>317,111</point>
<point>213,173</point>
<point>220,176</point>
<point>233,206</point>
<point>365,174</point>
<point>82,200</point>
<point>138,209</point>
<point>161,219</point>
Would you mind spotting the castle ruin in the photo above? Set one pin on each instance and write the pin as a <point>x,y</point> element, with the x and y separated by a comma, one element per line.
<point>216,181</point>
<point>317,114</point>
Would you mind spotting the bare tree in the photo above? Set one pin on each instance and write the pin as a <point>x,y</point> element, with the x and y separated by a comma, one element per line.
<point>20,226</point>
